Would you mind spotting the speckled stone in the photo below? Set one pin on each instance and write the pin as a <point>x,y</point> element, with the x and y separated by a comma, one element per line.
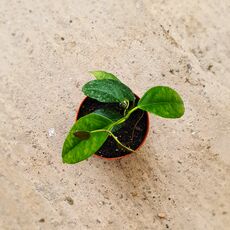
<point>183,170</point>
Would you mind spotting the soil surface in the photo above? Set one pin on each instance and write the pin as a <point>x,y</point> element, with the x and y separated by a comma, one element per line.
<point>131,133</point>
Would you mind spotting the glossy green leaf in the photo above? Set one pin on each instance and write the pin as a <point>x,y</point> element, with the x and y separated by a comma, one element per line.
<point>75,149</point>
<point>108,90</point>
<point>112,114</point>
<point>101,75</point>
<point>162,101</point>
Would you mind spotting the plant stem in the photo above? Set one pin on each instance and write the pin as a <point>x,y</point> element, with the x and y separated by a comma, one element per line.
<point>123,119</point>
<point>114,137</point>
<point>127,106</point>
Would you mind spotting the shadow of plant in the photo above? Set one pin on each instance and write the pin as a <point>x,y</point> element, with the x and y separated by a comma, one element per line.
<point>135,183</point>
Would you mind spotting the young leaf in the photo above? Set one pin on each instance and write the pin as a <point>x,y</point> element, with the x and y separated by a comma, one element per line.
<point>162,101</point>
<point>101,75</point>
<point>108,90</point>
<point>75,149</point>
<point>82,135</point>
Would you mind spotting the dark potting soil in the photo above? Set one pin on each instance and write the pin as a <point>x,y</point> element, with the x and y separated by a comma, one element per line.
<point>131,134</point>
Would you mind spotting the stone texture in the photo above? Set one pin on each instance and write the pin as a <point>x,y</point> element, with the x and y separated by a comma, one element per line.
<point>46,50</point>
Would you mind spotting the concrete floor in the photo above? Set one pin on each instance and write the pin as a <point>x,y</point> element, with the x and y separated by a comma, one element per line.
<point>181,174</point>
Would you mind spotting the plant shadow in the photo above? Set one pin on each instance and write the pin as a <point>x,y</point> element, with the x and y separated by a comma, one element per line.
<point>134,177</point>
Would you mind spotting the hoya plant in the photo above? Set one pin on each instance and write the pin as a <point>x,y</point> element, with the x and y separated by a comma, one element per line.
<point>90,132</point>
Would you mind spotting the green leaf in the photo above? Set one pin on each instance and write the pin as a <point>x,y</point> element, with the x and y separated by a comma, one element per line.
<point>112,114</point>
<point>162,101</point>
<point>101,75</point>
<point>108,90</point>
<point>75,149</point>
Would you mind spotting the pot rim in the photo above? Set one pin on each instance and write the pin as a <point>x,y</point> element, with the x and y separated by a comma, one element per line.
<point>128,154</point>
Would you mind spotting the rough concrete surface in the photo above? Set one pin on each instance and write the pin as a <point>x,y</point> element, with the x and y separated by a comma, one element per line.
<point>180,179</point>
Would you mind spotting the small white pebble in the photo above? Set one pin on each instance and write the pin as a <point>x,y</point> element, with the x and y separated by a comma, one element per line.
<point>194,133</point>
<point>51,132</point>
<point>162,215</point>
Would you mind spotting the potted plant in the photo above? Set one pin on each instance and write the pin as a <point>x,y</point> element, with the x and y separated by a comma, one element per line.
<point>112,121</point>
